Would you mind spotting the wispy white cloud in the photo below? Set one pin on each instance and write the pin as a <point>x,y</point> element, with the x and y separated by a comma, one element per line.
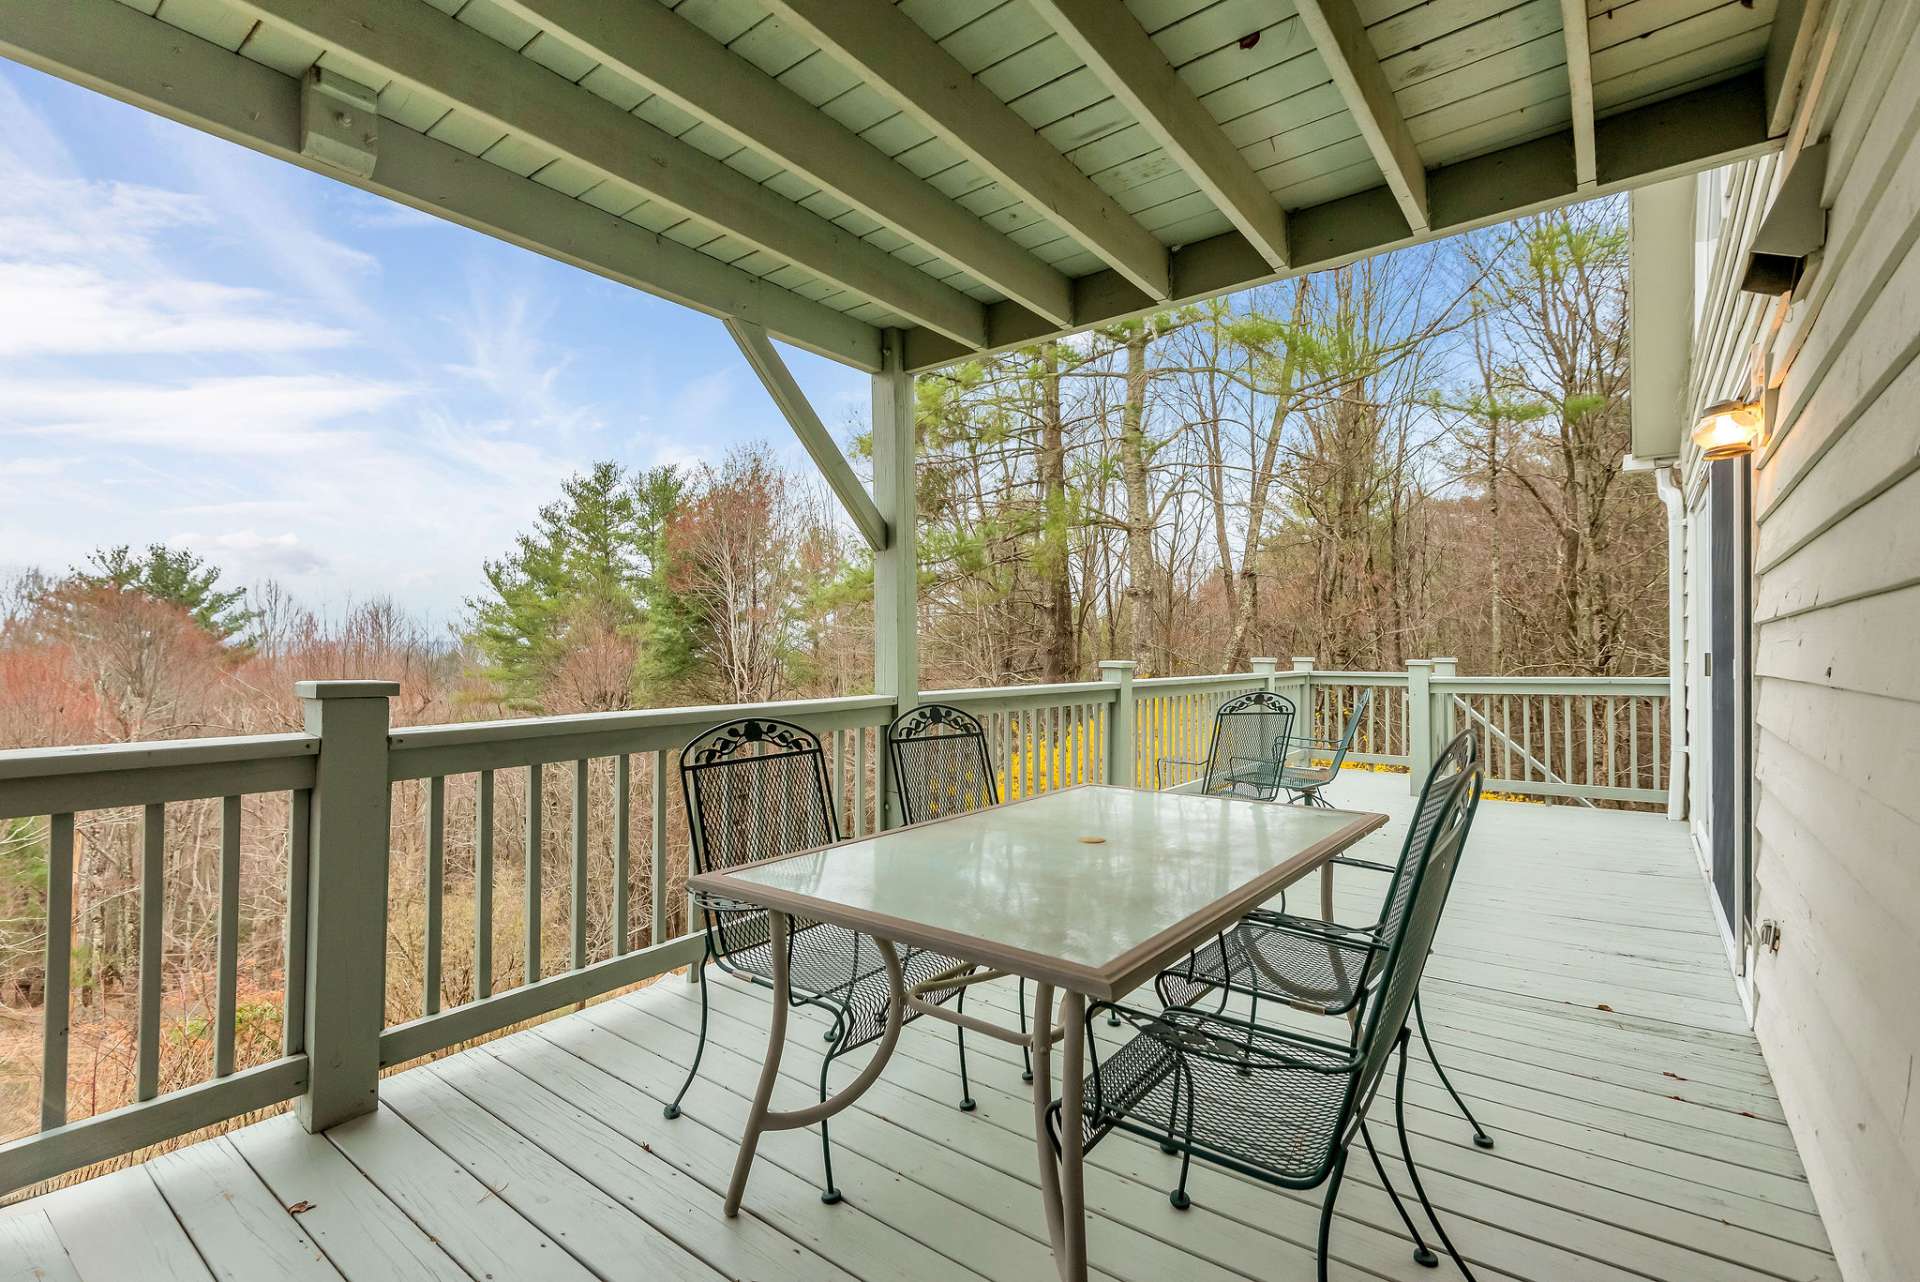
<point>239,415</point>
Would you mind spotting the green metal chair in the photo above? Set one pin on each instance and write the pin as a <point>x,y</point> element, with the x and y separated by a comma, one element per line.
<point>1279,1106</point>
<point>757,788</point>
<point>1311,965</point>
<point>1247,756</point>
<point>1304,782</point>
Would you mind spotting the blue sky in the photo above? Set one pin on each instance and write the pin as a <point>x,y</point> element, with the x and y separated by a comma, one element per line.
<point>205,347</point>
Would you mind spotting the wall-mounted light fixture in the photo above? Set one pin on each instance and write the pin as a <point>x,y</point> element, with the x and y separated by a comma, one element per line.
<point>1728,429</point>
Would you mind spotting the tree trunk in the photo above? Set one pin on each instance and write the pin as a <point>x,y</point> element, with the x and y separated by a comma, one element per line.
<point>1134,466</point>
<point>1055,563</point>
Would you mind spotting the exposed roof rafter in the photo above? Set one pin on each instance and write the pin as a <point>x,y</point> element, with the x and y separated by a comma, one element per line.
<point>903,62</point>
<point>109,47</point>
<point>1586,165</point>
<point>1118,51</point>
<point>699,75</point>
<point>1697,130</point>
<point>418,45</point>
<point>1342,39</point>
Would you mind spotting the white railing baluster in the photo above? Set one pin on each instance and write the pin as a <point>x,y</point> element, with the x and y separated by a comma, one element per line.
<point>860,783</point>
<point>577,919</point>
<point>657,856</point>
<point>152,908</point>
<point>530,881</point>
<point>56,1011</point>
<point>293,1024</point>
<point>436,884</point>
<point>226,969</point>
<point>1633,743</point>
<point>483,886</point>
<point>1612,732</point>
<point>622,854</point>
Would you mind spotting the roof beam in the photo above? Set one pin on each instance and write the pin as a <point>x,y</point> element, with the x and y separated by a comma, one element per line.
<point>1586,165</point>
<point>1342,39</point>
<point>1699,130</point>
<point>1790,58</point>
<point>785,391</point>
<point>109,47</point>
<point>698,74</point>
<point>903,62</point>
<point>425,49</point>
<point>1118,51</point>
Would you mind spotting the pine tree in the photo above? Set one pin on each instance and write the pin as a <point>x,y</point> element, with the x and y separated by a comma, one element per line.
<point>177,577</point>
<point>590,575</point>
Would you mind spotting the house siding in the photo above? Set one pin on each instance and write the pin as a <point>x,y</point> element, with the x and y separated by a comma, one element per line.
<point>1836,640</point>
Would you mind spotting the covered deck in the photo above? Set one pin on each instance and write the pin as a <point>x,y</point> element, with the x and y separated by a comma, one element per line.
<point>1579,995</point>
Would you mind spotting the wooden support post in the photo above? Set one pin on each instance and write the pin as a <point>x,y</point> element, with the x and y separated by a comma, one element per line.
<point>1419,723</point>
<point>1120,749</point>
<point>1444,669</point>
<point>896,570</point>
<point>346,943</point>
<point>1265,669</point>
<point>1299,688</point>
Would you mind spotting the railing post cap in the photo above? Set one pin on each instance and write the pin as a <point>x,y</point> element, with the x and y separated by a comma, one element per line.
<point>1303,663</point>
<point>1421,663</point>
<point>1265,664</point>
<point>1115,665</point>
<point>346,689</point>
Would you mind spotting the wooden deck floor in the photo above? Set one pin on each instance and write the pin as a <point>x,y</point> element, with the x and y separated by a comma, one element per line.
<point>1579,995</point>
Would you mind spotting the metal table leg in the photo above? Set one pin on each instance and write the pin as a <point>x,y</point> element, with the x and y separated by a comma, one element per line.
<point>761,1117</point>
<point>1073,1215</point>
<point>1326,891</point>
<point>1062,1179</point>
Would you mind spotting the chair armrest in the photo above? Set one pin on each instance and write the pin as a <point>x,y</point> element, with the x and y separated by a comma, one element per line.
<point>1224,1039</point>
<point>711,903</point>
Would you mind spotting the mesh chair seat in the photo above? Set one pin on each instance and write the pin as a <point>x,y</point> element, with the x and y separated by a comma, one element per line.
<point>1307,969</point>
<point>1260,1097</point>
<point>844,969</point>
<point>1303,778</point>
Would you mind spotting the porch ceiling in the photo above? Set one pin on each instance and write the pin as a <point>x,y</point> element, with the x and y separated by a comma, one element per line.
<point>979,173</point>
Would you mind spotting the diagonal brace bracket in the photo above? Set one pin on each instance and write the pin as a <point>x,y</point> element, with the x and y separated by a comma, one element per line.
<point>779,382</point>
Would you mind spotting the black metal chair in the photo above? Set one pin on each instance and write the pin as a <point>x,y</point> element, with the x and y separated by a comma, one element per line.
<point>757,788</point>
<point>1319,967</point>
<point>1303,782</point>
<point>941,765</point>
<point>1280,1106</point>
<point>1247,756</point>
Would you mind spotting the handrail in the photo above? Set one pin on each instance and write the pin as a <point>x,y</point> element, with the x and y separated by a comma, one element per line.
<point>1552,685</point>
<point>1064,692</point>
<point>48,781</point>
<point>421,752</point>
<point>1221,679</point>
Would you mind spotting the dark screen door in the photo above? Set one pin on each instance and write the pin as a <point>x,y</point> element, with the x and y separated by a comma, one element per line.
<point>1727,512</point>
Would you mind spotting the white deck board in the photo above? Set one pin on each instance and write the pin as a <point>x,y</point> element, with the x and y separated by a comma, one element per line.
<point>1579,996</point>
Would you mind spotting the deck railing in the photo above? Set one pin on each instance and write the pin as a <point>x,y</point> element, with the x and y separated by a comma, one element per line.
<point>601,904</point>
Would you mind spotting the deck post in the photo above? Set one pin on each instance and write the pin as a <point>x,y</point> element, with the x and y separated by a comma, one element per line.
<point>1298,686</point>
<point>896,569</point>
<point>1444,669</point>
<point>346,943</point>
<point>1264,669</point>
<point>1120,729</point>
<point>1419,723</point>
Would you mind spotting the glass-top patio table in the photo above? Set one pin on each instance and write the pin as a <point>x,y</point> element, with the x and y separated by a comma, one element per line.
<point>1087,891</point>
